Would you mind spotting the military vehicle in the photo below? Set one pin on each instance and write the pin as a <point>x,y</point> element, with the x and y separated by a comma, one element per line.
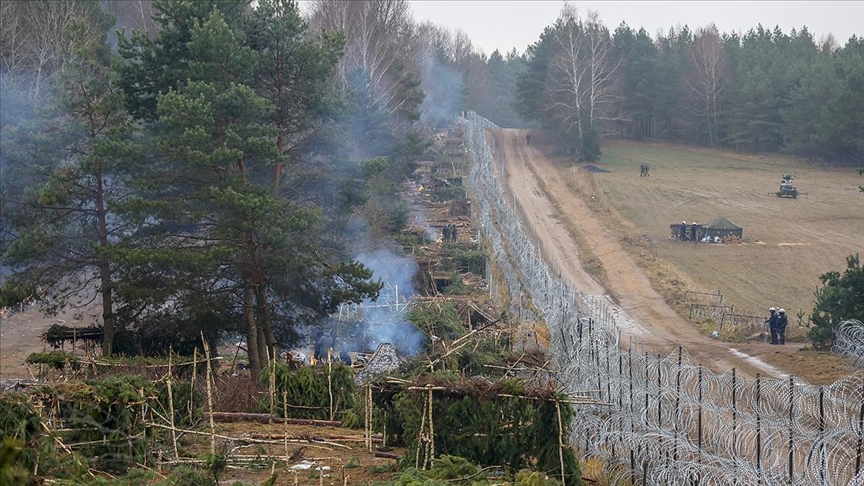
<point>787,188</point>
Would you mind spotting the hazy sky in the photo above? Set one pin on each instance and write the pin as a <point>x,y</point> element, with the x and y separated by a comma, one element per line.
<point>503,25</point>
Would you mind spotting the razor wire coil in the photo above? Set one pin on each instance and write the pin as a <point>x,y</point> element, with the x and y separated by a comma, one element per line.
<point>667,419</point>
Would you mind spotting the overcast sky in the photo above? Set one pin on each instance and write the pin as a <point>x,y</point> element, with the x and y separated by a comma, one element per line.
<point>504,25</point>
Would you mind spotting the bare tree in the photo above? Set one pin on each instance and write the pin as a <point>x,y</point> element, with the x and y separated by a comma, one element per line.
<point>707,81</point>
<point>12,41</point>
<point>601,85</point>
<point>380,37</point>
<point>565,90</point>
<point>132,14</point>
<point>38,39</point>
<point>581,84</point>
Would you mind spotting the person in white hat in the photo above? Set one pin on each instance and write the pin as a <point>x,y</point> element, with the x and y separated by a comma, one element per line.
<point>771,322</point>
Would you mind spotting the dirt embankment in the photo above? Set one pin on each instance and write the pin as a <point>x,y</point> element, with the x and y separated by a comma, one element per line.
<point>564,223</point>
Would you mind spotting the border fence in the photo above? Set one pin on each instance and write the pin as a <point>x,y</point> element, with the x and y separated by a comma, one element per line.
<point>849,342</point>
<point>667,420</point>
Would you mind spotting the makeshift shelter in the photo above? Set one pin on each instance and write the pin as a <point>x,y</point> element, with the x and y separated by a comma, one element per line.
<point>722,227</point>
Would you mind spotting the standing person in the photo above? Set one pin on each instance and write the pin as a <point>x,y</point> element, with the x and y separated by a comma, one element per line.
<point>693,233</point>
<point>453,232</point>
<point>446,232</point>
<point>771,321</point>
<point>646,169</point>
<point>528,139</point>
<point>683,230</point>
<point>782,321</point>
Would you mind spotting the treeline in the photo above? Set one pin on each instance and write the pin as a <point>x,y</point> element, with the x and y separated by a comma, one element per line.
<point>765,91</point>
<point>208,165</point>
<point>214,171</point>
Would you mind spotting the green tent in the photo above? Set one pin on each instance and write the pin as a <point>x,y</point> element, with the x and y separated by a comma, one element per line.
<point>722,227</point>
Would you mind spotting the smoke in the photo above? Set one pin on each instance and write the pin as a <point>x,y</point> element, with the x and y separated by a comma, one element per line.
<point>386,316</point>
<point>418,217</point>
<point>444,89</point>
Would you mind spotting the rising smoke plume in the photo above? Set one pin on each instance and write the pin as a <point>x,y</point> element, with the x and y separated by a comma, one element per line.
<point>386,316</point>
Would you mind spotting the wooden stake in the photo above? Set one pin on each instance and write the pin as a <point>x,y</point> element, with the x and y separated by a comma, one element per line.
<point>171,403</point>
<point>192,383</point>
<point>285,413</point>
<point>271,381</point>
<point>431,454</point>
<point>420,440</point>
<point>368,407</point>
<point>330,378</point>
<point>210,396</point>
<point>560,442</point>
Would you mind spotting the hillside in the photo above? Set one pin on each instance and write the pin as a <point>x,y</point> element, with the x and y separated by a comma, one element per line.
<point>569,218</point>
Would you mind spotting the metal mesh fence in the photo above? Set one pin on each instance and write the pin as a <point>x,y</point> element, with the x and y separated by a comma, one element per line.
<point>666,419</point>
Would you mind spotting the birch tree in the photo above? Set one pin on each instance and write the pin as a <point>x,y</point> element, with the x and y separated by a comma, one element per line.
<point>380,36</point>
<point>568,72</point>
<point>602,68</point>
<point>707,81</point>
<point>39,37</point>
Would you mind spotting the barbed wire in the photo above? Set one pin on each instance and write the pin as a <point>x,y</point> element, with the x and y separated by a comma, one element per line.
<point>849,341</point>
<point>667,419</point>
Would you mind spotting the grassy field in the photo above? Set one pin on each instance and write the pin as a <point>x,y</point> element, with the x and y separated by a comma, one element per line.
<point>787,243</point>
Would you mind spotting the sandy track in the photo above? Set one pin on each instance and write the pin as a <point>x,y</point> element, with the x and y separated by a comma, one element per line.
<point>540,188</point>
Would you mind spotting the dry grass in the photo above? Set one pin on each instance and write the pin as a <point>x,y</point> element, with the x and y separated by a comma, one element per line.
<point>787,244</point>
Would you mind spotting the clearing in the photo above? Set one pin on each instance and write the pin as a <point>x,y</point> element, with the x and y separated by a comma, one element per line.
<point>697,186</point>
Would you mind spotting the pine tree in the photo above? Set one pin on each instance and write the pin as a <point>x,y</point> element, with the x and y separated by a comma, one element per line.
<point>72,172</point>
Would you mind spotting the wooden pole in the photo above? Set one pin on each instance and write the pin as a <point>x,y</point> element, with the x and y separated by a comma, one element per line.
<point>171,404</point>
<point>285,414</point>
<point>330,378</point>
<point>192,383</point>
<point>560,442</point>
<point>368,407</point>
<point>420,439</point>
<point>210,396</point>
<point>431,454</point>
<point>271,381</point>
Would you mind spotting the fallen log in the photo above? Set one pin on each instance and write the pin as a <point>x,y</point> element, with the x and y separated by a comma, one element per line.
<point>266,418</point>
<point>387,455</point>
<point>334,438</point>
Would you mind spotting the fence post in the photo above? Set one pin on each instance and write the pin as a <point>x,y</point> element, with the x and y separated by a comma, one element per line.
<point>645,366</point>
<point>821,434</point>
<point>734,419</point>
<point>758,429</point>
<point>677,402</point>
<point>608,376</point>
<point>860,434</point>
<point>699,420</point>
<point>632,455</point>
<point>791,407</point>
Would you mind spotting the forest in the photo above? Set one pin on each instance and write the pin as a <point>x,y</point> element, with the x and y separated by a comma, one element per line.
<point>128,124</point>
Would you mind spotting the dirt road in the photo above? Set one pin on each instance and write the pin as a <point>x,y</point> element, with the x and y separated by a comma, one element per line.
<point>554,211</point>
